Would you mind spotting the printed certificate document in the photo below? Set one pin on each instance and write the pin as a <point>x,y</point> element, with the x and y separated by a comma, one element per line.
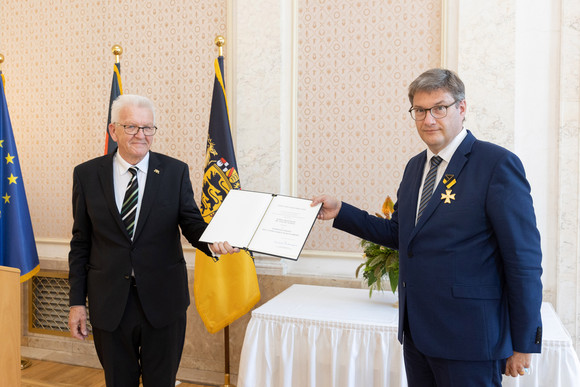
<point>262,222</point>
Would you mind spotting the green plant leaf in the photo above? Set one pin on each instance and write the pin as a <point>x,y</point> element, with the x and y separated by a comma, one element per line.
<point>381,258</point>
<point>379,262</point>
<point>394,279</point>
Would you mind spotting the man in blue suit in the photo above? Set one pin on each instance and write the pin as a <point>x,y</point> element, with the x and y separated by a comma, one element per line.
<point>470,260</point>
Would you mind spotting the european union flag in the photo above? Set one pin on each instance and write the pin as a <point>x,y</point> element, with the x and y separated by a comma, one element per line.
<point>17,246</point>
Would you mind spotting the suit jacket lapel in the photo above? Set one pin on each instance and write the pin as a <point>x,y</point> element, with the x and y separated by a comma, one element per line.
<point>417,179</point>
<point>154,179</point>
<point>105,174</point>
<point>410,190</point>
<point>455,166</point>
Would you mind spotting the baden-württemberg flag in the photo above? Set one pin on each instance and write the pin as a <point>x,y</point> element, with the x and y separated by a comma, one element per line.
<point>17,246</point>
<point>116,90</point>
<point>226,289</point>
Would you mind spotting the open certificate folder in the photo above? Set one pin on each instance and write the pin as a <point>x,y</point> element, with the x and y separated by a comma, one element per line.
<point>263,222</point>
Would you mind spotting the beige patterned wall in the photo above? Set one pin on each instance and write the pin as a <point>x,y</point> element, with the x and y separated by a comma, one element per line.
<point>355,61</point>
<point>58,71</point>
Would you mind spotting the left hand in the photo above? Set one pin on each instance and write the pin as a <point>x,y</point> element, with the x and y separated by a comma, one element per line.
<point>517,362</point>
<point>220,248</point>
<point>77,322</point>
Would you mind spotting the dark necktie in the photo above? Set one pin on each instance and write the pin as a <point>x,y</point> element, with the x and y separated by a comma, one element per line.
<point>129,208</point>
<point>429,184</point>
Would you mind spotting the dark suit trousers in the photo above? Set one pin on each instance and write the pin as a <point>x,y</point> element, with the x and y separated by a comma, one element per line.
<point>427,371</point>
<point>137,349</point>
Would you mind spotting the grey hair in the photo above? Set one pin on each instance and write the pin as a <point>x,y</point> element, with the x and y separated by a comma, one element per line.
<point>438,79</point>
<point>125,100</point>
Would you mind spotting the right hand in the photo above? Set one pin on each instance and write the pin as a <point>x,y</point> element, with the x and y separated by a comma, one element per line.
<point>77,322</point>
<point>330,206</point>
<point>220,248</point>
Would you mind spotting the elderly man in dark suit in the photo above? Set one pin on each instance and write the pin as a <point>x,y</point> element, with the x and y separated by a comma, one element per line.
<point>126,253</point>
<point>470,259</point>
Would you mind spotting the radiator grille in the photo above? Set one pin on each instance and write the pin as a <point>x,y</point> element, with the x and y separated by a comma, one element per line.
<point>49,303</point>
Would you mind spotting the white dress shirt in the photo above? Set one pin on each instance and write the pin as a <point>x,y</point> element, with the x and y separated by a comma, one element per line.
<point>446,154</point>
<point>122,176</point>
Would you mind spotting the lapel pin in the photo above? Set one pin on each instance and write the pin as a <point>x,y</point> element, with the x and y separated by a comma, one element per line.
<point>449,181</point>
<point>156,171</point>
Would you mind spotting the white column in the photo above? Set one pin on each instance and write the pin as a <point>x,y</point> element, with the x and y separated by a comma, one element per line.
<point>568,213</point>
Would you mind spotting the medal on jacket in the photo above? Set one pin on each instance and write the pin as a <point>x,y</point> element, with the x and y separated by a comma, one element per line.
<point>449,181</point>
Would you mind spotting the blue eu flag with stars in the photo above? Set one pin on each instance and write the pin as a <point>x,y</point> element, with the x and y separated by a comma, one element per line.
<point>17,246</point>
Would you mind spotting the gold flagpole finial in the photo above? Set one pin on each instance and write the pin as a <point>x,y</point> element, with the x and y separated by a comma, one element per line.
<point>220,41</point>
<point>117,51</point>
<point>1,60</point>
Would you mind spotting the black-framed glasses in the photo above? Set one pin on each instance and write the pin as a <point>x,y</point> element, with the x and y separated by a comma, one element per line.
<point>134,129</point>
<point>439,111</point>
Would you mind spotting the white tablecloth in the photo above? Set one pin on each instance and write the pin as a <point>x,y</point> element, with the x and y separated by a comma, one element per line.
<point>316,336</point>
<point>557,365</point>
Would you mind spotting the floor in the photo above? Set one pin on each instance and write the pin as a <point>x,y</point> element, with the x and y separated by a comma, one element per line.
<point>45,373</point>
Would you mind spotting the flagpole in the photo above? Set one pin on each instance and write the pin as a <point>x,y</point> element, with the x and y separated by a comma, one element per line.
<point>117,51</point>
<point>220,41</point>
<point>116,90</point>
<point>227,357</point>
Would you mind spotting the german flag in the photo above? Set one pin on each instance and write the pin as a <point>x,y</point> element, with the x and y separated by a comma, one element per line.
<point>116,90</point>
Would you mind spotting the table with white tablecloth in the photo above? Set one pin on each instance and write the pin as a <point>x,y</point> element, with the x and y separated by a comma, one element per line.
<point>317,336</point>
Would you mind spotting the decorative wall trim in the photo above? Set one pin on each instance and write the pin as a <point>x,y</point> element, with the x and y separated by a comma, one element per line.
<point>52,247</point>
<point>450,34</point>
<point>231,65</point>
<point>53,255</point>
<point>293,81</point>
<point>568,245</point>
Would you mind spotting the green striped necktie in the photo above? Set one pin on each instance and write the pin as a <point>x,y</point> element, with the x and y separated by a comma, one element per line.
<point>129,208</point>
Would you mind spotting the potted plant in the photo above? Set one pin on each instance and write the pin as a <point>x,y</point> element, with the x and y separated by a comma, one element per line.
<point>380,262</point>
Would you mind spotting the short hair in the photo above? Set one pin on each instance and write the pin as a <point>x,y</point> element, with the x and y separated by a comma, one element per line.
<point>437,79</point>
<point>125,100</point>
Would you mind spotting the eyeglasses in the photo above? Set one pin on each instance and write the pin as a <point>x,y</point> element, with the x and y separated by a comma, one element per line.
<point>419,114</point>
<point>134,129</point>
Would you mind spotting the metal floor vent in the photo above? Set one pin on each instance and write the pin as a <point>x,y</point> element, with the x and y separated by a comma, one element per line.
<point>49,303</point>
